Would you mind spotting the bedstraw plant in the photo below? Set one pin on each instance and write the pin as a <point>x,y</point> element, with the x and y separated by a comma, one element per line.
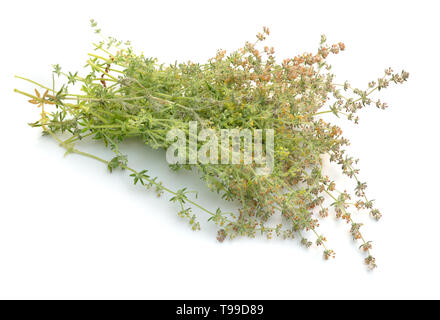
<point>125,94</point>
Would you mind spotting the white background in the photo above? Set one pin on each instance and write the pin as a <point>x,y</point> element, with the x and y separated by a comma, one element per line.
<point>69,229</point>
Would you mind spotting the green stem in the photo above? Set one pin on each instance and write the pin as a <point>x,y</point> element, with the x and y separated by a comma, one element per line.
<point>70,149</point>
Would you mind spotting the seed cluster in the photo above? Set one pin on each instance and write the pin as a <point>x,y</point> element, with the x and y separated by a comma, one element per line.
<point>129,95</point>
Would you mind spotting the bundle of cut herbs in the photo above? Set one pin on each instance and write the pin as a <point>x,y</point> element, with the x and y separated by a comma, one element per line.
<point>248,123</point>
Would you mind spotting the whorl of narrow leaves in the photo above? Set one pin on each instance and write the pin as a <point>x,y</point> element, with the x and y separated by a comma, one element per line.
<point>130,95</point>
